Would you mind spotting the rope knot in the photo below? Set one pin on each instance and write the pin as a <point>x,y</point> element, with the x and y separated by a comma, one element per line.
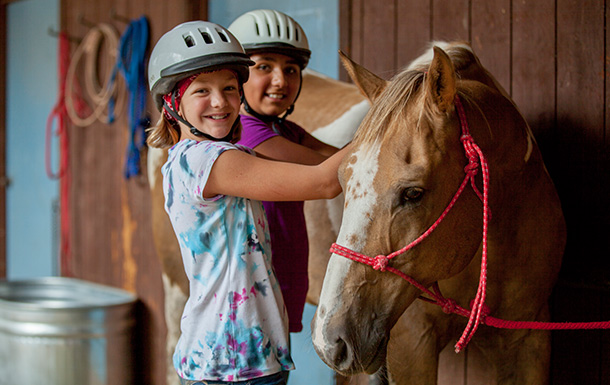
<point>448,306</point>
<point>472,168</point>
<point>484,309</point>
<point>380,262</point>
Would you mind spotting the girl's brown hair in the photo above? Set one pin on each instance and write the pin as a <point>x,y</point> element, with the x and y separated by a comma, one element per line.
<point>163,134</point>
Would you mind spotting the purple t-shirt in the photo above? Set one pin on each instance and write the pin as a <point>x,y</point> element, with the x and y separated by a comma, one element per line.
<point>289,245</point>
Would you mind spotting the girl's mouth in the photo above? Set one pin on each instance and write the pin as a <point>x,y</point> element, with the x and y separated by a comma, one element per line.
<point>218,117</point>
<point>276,96</point>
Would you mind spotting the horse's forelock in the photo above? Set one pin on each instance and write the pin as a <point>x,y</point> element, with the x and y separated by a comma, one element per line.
<point>390,106</point>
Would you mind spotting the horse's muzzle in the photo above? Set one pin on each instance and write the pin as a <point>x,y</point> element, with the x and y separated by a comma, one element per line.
<point>341,349</point>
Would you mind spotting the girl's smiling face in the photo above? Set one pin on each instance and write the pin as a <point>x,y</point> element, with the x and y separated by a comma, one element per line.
<point>211,103</point>
<point>274,83</point>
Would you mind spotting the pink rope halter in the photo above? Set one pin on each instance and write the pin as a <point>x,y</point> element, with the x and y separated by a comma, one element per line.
<point>479,312</point>
<point>380,262</point>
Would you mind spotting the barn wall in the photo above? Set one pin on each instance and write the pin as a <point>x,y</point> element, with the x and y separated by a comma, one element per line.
<point>552,57</point>
<point>111,235</point>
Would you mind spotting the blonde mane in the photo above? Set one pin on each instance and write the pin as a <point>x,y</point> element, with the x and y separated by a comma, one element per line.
<point>390,106</point>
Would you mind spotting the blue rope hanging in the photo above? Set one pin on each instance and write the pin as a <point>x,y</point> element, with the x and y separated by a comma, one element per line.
<point>131,62</point>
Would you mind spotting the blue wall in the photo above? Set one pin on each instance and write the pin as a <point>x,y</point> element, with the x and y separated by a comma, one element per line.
<point>31,93</point>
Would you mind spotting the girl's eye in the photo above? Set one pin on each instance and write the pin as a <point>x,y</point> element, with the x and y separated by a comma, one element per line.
<point>412,194</point>
<point>262,67</point>
<point>292,70</point>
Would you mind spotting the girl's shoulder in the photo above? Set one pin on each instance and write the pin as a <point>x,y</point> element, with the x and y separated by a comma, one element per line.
<point>205,147</point>
<point>191,154</point>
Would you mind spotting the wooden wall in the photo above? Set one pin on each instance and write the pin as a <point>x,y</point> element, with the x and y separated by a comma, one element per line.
<point>111,235</point>
<point>552,56</point>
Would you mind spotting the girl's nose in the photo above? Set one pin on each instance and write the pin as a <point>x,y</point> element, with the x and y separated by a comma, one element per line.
<point>219,99</point>
<point>279,79</point>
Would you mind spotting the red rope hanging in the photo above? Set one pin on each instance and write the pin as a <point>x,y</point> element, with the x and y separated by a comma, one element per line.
<point>59,114</point>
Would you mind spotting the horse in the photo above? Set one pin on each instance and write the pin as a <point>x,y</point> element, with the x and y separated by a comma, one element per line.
<point>446,196</point>
<point>329,109</point>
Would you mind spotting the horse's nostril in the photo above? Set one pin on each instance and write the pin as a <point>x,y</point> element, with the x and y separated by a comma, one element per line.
<point>339,352</point>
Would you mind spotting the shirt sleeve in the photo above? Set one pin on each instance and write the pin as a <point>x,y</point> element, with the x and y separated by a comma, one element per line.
<point>254,132</point>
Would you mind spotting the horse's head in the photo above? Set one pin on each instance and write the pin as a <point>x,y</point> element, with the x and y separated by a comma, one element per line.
<point>406,165</point>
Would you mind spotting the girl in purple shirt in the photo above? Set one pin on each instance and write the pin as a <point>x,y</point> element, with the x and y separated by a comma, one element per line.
<point>278,46</point>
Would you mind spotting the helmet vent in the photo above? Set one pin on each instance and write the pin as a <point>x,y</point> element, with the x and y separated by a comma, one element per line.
<point>296,33</point>
<point>207,38</point>
<point>222,35</point>
<point>188,39</point>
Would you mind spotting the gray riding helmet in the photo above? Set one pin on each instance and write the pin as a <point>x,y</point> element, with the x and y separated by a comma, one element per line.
<point>190,48</point>
<point>265,30</point>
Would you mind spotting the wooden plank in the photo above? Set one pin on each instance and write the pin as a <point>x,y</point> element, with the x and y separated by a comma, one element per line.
<point>378,38</point>
<point>576,354</point>
<point>450,20</point>
<point>580,132</point>
<point>604,376</point>
<point>345,36</point>
<point>491,37</point>
<point>357,49</point>
<point>533,70</point>
<point>413,30</point>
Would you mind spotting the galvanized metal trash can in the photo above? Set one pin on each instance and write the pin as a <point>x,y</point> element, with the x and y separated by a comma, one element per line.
<point>64,331</point>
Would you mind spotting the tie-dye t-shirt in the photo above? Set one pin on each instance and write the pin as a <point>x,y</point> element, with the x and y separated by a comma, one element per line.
<point>234,326</point>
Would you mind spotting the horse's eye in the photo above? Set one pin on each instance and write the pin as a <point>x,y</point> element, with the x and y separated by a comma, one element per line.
<point>412,194</point>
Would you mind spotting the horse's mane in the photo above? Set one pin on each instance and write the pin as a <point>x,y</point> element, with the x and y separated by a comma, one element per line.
<point>404,86</point>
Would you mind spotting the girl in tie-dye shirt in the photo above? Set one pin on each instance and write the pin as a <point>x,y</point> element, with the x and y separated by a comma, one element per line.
<point>234,325</point>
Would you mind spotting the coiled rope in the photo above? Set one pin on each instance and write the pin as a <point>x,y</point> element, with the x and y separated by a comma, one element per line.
<point>102,97</point>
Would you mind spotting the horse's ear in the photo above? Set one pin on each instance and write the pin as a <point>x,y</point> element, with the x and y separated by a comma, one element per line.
<point>369,84</point>
<point>441,81</point>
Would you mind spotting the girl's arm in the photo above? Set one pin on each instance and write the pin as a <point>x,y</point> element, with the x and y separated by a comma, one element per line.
<point>318,146</point>
<point>309,152</point>
<point>236,173</point>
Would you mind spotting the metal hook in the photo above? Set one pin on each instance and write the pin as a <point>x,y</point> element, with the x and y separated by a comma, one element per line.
<point>85,22</point>
<point>114,15</point>
<point>54,33</point>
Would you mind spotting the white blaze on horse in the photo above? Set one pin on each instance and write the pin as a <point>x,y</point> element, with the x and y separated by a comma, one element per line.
<point>329,109</point>
<point>406,166</point>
